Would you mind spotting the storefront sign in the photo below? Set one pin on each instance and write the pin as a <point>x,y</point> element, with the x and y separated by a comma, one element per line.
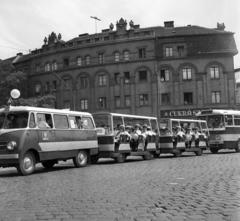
<point>185,113</point>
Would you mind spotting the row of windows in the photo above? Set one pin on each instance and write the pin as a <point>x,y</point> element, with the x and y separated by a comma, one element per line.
<point>187,74</point>
<point>102,102</point>
<point>188,98</point>
<point>177,51</point>
<point>48,121</point>
<point>101,60</point>
<point>102,81</point>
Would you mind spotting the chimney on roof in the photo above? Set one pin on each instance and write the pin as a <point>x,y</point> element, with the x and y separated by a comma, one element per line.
<point>169,24</point>
<point>19,54</point>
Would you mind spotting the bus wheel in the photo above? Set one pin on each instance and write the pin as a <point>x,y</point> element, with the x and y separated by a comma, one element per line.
<point>178,154</point>
<point>48,164</point>
<point>121,158</point>
<point>81,159</point>
<point>199,152</point>
<point>94,159</point>
<point>238,146</point>
<point>147,157</point>
<point>213,150</point>
<point>27,164</point>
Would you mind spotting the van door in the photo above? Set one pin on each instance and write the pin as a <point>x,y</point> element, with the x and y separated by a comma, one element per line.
<point>46,136</point>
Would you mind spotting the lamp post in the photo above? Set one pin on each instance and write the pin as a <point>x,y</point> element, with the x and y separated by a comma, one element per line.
<point>73,98</point>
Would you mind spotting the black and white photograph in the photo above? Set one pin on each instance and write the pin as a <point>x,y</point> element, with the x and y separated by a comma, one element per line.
<point>116,110</point>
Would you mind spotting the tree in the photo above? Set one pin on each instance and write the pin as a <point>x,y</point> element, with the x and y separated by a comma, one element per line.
<point>10,79</point>
<point>47,101</point>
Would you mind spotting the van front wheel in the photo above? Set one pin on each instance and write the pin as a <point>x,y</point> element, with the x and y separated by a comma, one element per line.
<point>81,159</point>
<point>27,164</point>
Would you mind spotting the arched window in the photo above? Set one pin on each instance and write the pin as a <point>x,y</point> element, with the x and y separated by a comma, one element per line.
<point>116,56</point>
<point>47,67</point>
<point>79,61</point>
<point>54,65</point>
<point>126,55</point>
<point>187,73</point>
<point>214,72</point>
<point>165,75</point>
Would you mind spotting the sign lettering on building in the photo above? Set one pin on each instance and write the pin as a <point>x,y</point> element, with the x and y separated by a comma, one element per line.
<point>185,113</point>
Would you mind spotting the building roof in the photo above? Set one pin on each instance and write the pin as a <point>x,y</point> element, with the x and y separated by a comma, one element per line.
<point>187,30</point>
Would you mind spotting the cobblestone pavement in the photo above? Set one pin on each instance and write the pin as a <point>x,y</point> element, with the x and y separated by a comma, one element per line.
<point>167,188</point>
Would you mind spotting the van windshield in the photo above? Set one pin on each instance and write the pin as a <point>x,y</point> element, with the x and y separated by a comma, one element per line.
<point>13,120</point>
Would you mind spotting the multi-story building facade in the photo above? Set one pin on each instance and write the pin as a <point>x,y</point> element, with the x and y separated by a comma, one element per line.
<point>156,71</point>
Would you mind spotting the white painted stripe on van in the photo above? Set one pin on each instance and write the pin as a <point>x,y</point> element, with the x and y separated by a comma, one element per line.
<point>67,145</point>
<point>9,156</point>
<point>226,137</point>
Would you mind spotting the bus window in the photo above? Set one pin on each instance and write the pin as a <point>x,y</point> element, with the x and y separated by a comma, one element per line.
<point>44,120</point>
<point>203,125</point>
<point>154,126</point>
<point>215,121</point>
<point>88,124</point>
<point>73,122</point>
<point>174,124</point>
<point>60,121</point>
<point>103,122</point>
<point>117,121</point>
<point>237,120</point>
<point>228,120</point>
<point>16,120</point>
<point>32,121</point>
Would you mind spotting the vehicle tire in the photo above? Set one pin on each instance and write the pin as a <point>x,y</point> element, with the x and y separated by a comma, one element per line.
<point>27,164</point>
<point>199,152</point>
<point>178,154</point>
<point>238,147</point>
<point>81,159</point>
<point>148,156</point>
<point>94,159</point>
<point>213,150</point>
<point>48,164</point>
<point>121,158</point>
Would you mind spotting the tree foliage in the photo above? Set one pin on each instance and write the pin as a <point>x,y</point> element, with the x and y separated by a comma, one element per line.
<point>10,79</point>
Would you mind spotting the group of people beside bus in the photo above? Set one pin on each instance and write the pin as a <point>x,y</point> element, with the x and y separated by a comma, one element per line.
<point>188,135</point>
<point>134,134</point>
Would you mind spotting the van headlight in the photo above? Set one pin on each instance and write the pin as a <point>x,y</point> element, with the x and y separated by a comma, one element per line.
<point>11,145</point>
<point>218,137</point>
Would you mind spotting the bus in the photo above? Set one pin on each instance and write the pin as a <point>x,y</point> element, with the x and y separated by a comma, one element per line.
<point>107,125</point>
<point>177,145</point>
<point>31,135</point>
<point>224,127</point>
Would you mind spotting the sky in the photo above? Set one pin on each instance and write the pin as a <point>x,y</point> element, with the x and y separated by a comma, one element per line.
<point>25,23</point>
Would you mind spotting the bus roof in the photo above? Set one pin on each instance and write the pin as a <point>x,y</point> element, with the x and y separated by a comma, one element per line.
<point>124,115</point>
<point>216,111</point>
<point>45,110</point>
<point>186,120</point>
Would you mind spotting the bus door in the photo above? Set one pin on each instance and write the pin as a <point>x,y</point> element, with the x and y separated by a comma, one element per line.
<point>46,136</point>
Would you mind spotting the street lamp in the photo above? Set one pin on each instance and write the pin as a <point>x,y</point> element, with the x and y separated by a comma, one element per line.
<point>73,98</point>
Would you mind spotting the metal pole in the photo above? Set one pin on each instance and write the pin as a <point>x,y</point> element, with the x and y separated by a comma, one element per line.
<point>95,22</point>
<point>68,88</point>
